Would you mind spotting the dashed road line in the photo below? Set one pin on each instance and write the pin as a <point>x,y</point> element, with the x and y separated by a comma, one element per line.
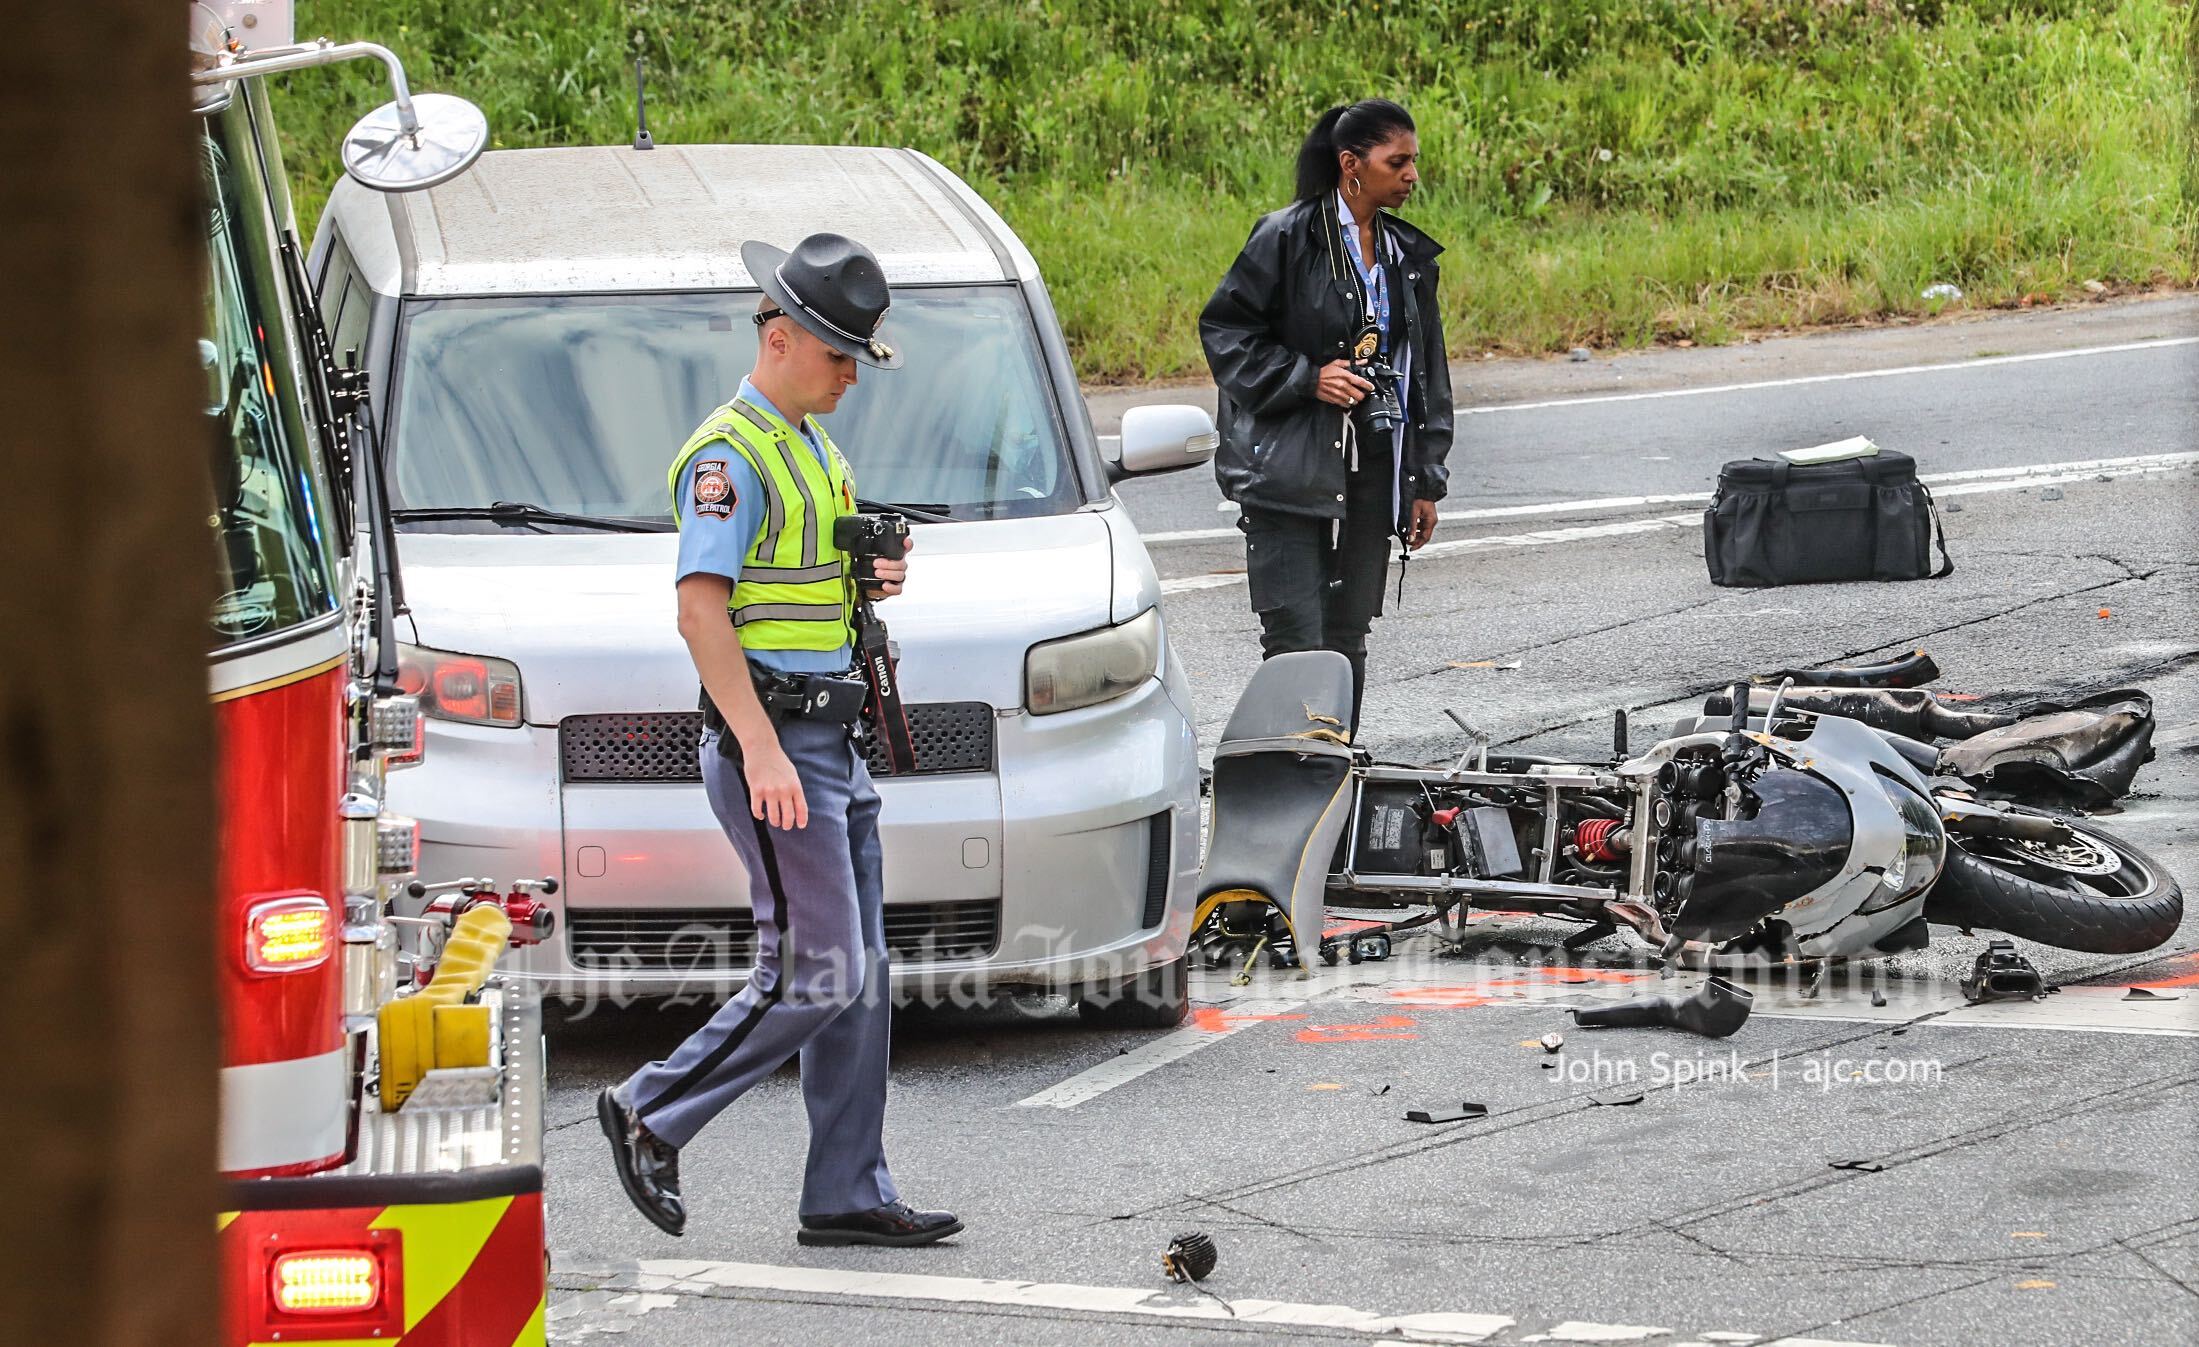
<point>656,1277</point>
<point>1209,1025</point>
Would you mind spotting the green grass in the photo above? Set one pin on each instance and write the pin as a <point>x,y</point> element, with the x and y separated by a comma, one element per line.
<point>1607,172</point>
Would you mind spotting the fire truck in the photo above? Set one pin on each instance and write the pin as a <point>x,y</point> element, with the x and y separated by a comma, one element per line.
<point>381,1124</point>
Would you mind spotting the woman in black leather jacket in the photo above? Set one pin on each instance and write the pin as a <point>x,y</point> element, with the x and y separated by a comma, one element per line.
<point>1328,291</point>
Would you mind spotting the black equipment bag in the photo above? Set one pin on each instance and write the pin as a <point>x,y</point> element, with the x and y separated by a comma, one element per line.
<point>1779,523</point>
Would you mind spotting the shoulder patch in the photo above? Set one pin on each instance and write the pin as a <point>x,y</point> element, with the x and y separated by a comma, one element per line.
<point>714,494</point>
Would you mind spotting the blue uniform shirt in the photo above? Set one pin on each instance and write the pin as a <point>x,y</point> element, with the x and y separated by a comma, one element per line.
<point>718,544</point>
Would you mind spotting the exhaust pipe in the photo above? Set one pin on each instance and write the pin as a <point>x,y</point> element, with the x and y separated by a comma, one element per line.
<point>1717,1009</point>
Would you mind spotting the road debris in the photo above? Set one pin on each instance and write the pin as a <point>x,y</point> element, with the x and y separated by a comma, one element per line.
<point>1616,1101</point>
<point>2147,994</point>
<point>2050,493</point>
<point>1577,355</point>
<point>1190,1257</point>
<point>1552,1042</point>
<point>1444,1115</point>
<point>1941,291</point>
<point>1878,997</point>
<point>2001,974</point>
<point>1859,1166</point>
<point>1717,1009</point>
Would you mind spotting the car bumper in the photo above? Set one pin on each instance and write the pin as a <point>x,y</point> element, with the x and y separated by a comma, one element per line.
<point>1057,849</point>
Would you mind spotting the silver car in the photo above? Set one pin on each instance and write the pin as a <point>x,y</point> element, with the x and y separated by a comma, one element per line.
<point>541,335</point>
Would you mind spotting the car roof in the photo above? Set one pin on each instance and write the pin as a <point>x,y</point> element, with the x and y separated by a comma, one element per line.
<point>611,218</point>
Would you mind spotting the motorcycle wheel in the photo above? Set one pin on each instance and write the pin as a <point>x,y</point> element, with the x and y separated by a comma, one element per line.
<point>2095,893</point>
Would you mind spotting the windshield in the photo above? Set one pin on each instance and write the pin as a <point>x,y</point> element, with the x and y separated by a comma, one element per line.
<point>580,403</point>
<point>276,553</point>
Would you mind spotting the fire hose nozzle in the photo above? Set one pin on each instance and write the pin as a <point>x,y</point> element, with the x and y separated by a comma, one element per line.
<point>1717,1009</point>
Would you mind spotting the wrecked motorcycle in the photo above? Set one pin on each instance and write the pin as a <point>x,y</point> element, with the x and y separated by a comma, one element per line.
<point>1768,837</point>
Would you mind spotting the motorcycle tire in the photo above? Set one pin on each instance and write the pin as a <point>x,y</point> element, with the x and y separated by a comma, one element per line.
<point>2099,896</point>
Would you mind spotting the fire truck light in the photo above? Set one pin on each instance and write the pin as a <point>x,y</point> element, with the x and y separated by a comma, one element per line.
<point>327,1281</point>
<point>287,934</point>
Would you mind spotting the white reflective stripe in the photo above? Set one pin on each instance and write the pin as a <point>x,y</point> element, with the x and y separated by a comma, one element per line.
<point>284,1113</point>
<point>788,612</point>
<point>290,653</point>
<point>791,575</point>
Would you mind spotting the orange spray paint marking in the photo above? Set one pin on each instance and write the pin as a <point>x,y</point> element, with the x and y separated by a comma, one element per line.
<point>1384,1028</point>
<point>1215,1020</point>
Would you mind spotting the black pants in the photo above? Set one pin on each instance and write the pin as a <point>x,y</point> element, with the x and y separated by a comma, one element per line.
<point>1312,595</point>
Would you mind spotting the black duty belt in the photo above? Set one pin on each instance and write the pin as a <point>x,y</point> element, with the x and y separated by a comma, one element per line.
<point>833,698</point>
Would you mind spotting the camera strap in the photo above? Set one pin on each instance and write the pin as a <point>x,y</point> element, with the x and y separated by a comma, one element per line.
<point>887,716</point>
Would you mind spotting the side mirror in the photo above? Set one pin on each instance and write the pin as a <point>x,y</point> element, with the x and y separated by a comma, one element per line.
<point>416,142</point>
<point>1165,438</point>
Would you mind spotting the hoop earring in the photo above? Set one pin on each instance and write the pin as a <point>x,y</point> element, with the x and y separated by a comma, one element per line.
<point>1357,186</point>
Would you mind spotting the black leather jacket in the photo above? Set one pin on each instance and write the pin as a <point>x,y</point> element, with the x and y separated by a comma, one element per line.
<point>1289,305</point>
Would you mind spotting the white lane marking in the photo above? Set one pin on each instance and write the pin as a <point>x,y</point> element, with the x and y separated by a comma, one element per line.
<point>1573,1330</point>
<point>1952,484</point>
<point>1982,362</point>
<point>2024,473</point>
<point>1135,1301</point>
<point>1209,1026</point>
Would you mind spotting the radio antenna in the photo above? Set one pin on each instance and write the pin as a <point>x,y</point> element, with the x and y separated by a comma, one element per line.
<point>641,108</point>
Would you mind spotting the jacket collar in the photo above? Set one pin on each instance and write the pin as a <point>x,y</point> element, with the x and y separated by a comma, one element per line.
<point>1321,215</point>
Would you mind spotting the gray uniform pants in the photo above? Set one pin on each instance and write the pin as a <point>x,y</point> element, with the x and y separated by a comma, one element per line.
<point>820,986</point>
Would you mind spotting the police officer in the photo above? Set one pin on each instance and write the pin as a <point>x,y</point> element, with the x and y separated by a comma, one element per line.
<point>765,606</point>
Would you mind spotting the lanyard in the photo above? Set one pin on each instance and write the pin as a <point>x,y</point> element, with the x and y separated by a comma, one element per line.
<point>1374,281</point>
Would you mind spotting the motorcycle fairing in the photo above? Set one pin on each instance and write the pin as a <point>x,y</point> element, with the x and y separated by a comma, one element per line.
<point>1282,783</point>
<point>1848,915</point>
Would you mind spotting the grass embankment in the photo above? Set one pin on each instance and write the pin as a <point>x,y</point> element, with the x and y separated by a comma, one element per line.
<point>1604,171</point>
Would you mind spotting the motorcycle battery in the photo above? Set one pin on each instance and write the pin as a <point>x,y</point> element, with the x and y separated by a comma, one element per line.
<point>1487,832</point>
<point>1393,833</point>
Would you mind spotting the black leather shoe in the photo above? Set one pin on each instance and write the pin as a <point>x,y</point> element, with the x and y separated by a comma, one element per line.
<point>648,1168</point>
<point>896,1223</point>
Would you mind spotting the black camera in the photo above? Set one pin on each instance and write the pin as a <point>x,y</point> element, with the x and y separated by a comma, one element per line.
<point>868,537</point>
<point>1383,409</point>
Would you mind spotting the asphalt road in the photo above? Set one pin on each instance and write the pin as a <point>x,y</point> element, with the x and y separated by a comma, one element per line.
<point>2035,1162</point>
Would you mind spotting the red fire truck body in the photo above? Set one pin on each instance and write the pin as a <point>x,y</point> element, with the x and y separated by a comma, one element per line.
<point>352,1216</point>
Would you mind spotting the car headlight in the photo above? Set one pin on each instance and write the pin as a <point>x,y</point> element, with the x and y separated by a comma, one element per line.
<point>470,689</point>
<point>1093,666</point>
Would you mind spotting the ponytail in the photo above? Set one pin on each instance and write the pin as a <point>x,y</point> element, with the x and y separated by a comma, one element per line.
<point>1357,127</point>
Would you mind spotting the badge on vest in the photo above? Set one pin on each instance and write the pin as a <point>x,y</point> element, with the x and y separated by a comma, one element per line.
<point>714,498</point>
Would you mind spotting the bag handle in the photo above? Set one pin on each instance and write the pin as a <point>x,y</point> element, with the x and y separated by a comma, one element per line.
<point>1779,470</point>
<point>1939,535</point>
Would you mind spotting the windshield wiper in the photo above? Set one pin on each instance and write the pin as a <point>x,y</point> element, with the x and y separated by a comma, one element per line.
<point>930,512</point>
<point>521,512</point>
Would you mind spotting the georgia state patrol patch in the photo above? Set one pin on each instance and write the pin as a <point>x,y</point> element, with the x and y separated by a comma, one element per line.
<point>714,497</point>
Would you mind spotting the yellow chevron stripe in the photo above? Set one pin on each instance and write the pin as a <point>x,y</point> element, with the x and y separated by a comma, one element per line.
<point>441,1242</point>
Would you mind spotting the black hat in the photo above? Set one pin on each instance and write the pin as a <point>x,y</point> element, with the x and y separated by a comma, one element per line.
<point>831,285</point>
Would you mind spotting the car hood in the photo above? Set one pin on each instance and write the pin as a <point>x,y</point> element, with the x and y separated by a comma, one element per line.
<point>590,618</point>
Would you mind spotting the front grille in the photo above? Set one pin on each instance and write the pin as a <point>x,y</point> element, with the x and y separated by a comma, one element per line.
<point>641,746</point>
<point>949,736</point>
<point>1158,840</point>
<point>660,745</point>
<point>695,941</point>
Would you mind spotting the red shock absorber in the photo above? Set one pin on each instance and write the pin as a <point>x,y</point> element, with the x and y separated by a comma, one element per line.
<point>1600,839</point>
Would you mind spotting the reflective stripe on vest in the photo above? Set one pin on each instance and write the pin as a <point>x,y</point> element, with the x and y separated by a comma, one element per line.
<point>793,591</point>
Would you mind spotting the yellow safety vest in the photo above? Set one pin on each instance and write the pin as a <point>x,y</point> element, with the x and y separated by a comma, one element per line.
<point>794,590</point>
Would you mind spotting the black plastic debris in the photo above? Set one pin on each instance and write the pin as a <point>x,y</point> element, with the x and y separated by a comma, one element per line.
<point>1912,670</point>
<point>1616,1101</point>
<point>1859,1166</point>
<point>1190,1257</point>
<point>1878,997</point>
<point>2084,752</point>
<point>1717,1009</point>
<point>1445,1115</point>
<point>2001,974</point>
<point>2145,994</point>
